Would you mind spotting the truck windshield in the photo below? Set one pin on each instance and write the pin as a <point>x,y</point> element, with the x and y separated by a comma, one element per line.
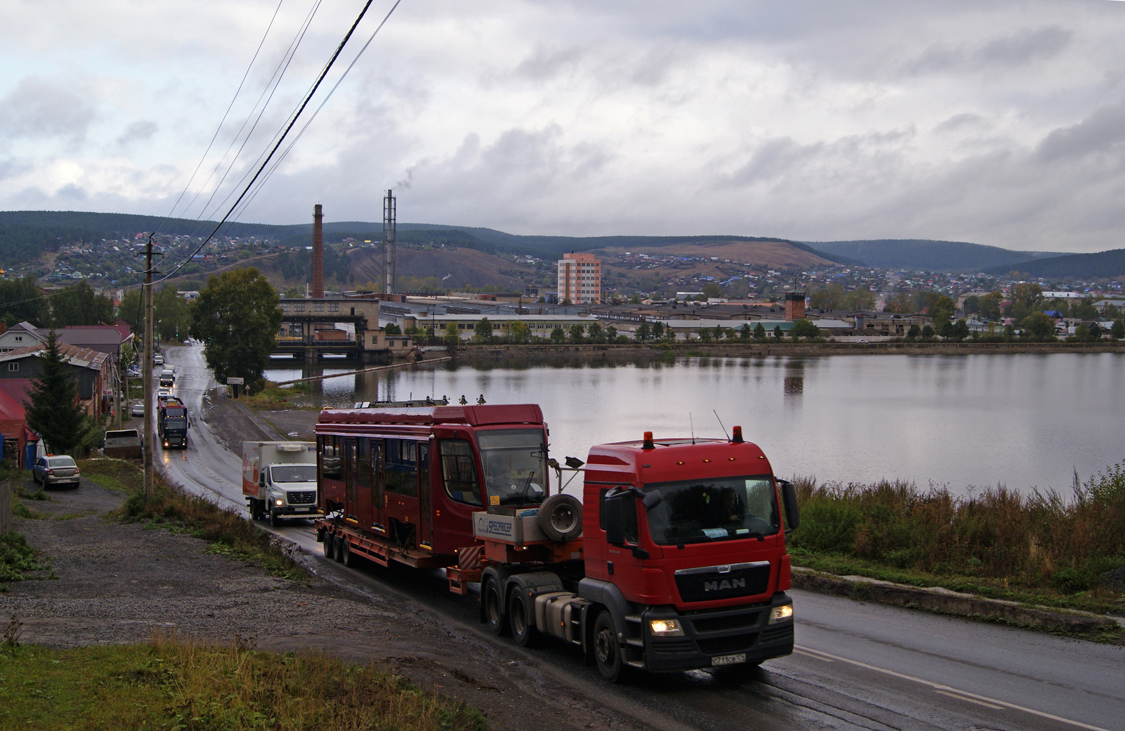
<point>175,423</point>
<point>515,466</point>
<point>714,509</point>
<point>293,473</point>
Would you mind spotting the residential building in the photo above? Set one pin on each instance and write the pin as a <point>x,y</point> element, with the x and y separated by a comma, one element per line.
<point>580,279</point>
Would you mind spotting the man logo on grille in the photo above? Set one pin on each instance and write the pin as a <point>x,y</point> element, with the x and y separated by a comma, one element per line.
<point>724,584</point>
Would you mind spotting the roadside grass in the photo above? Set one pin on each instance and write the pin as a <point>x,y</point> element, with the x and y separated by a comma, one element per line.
<point>18,560</point>
<point>276,397</point>
<point>1038,549</point>
<point>171,508</point>
<point>172,684</point>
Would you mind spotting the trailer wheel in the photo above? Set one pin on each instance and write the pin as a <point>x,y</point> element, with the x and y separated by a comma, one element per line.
<point>519,617</point>
<point>560,517</point>
<point>493,603</point>
<point>341,546</point>
<point>346,556</point>
<point>329,546</point>
<point>607,651</point>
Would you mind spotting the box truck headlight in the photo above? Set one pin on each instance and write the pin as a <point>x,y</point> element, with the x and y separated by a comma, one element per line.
<point>278,502</point>
<point>665,628</point>
<point>781,614</point>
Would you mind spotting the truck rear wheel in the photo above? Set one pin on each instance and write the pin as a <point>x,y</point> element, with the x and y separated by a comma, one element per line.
<point>341,546</point>
<point>329,546</point>
<point>493,603</point>
<point>520,618</point>
<point>346,556</point>
<point>607,651</point>
<point>560,517</point>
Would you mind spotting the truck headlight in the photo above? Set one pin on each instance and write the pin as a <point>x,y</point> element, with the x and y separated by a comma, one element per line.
<point>278,502</point>
<point>665,628</point>
<point>781,614</point>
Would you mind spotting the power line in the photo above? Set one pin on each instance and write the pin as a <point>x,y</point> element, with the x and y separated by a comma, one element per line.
<point>289,127</point>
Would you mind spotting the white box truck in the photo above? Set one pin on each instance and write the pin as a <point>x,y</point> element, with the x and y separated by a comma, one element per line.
<point>279,480</point>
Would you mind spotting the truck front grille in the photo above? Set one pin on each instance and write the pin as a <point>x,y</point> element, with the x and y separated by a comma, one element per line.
<point>723,582</point>
<point>302,498</point>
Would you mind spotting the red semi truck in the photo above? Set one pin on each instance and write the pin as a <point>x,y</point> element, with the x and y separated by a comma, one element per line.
<point>675,558</point>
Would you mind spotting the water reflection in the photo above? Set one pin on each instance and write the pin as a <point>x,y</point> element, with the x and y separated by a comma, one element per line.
<point>1021,420</point>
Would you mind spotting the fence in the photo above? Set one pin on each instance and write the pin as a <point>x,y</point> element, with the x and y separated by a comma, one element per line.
<point>5,507</point>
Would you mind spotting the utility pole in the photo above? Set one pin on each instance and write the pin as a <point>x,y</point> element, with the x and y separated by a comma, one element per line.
<point>146,365</point>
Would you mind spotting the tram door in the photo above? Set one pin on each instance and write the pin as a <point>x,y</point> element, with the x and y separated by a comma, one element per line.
<point>425,506</point>
<point>351,504</point>
<point>401,477</point>
<point>364,482</point>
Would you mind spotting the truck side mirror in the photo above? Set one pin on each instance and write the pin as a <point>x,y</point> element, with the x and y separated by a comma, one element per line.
<point>789,499</point>
<point>613,518</point>
<point>652,499</point>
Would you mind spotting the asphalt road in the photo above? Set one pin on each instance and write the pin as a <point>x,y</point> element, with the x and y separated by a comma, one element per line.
<point>856,666</point>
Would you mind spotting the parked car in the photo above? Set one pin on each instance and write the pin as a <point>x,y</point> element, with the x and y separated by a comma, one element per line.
<point>55,470</point>
<point>133,372</point>
<point>137,409</point>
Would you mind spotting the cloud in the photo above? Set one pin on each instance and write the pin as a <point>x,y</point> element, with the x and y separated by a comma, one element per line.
<point>1100,133</point>
<point>136,132</point>
<point>41,109</point>
<point>1025,47</point>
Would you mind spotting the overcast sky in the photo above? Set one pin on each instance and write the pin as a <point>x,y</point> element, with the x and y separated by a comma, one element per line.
<point>994,122</point>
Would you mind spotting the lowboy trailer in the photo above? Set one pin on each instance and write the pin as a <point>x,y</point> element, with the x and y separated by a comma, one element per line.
<point>674,559</point>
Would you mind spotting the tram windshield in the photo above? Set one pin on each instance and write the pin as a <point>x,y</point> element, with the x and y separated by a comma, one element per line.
<point>515,465</point>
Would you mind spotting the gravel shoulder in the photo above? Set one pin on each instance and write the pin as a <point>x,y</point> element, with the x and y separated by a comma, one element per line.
<point>125,583</point>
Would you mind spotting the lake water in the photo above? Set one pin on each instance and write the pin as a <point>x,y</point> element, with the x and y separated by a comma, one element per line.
<point>966,422</point>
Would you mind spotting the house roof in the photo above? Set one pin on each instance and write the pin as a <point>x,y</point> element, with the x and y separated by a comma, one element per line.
<point>75,355</point>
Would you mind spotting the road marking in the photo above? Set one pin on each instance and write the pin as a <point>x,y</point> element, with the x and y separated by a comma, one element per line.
<point>960,697</point>
<point>812,653</point>
<point>946,690</point>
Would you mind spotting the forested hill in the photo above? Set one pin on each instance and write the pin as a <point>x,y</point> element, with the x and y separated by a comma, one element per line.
<point>947,256</point>
<point>1104,264</point>
<point>25,234</point>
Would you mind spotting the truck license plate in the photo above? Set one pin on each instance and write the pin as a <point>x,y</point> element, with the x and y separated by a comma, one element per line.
<point>728,659</point>
<point>302,510</point>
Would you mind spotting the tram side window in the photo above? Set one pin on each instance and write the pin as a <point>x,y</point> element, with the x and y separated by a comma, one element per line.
<point>401,468</point>
<point>459,471</point>
<point>363,459</point>
<point>330,463</point>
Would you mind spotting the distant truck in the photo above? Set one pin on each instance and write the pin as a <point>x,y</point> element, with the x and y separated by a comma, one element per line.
<point>122,443</point>
<point>172,422</point>
<point>279,480</point>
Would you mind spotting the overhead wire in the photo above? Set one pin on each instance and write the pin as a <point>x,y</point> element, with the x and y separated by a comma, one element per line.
<point>317,111</point>
<point>289,127</point>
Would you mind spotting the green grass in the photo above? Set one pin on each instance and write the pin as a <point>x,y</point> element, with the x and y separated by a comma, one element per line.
<point>18,560</point>
<point>183,686</point>
<point>1038,549</point>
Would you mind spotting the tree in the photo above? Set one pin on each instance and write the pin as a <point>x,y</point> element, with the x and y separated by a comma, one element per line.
<point>1038,326</point>
<point>53,411</point>
<point>482,331</point>
<point>777,333</point>
<point>519,332</point>
<point>237,317</point>
<point>21,300</point>
<point>558,335</point>
<point>132,308</point>
<point>828,297</point>
<point>392,329</point>
<point>643,332</point>
<point>759,332</point>
<point>1086,311</point>
<point>861,299</point>
<point>595,333</point>
<point>577,332</point>
<point>804,329</point>
<point>452,333</point>
<point>705,334</point>
<point>959,331</point>
<point>170,316</point>
<point>913,332</point>
<point>657,330</point>
<point>80,305</point>
<point>611,334</point>
<point>1118,330</point>
<point>711,290</point>
<point>989,305</point>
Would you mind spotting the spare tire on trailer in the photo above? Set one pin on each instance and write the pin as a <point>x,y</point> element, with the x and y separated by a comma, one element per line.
<point>560,517</point>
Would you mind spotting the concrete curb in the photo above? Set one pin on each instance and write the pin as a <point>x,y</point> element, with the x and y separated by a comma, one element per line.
<point>945,601</point>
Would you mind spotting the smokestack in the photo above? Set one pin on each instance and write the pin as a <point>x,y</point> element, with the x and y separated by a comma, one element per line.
<point>318,254</point>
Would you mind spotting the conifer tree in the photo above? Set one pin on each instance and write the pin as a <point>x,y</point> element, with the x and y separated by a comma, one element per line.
<point>53,411</point>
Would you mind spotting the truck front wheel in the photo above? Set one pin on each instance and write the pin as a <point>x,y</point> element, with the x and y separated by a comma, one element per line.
<point>493,602</point>
<point>523,629</point>
<point>607,652</point>
<point>274,522</point>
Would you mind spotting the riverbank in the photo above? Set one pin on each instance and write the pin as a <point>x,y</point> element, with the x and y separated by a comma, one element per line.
<point>485,352</point>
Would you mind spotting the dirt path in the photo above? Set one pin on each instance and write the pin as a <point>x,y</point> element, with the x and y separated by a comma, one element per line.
<point>117,583</point>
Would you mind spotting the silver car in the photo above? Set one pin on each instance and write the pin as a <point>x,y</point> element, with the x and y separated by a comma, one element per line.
<point>52,470</point>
